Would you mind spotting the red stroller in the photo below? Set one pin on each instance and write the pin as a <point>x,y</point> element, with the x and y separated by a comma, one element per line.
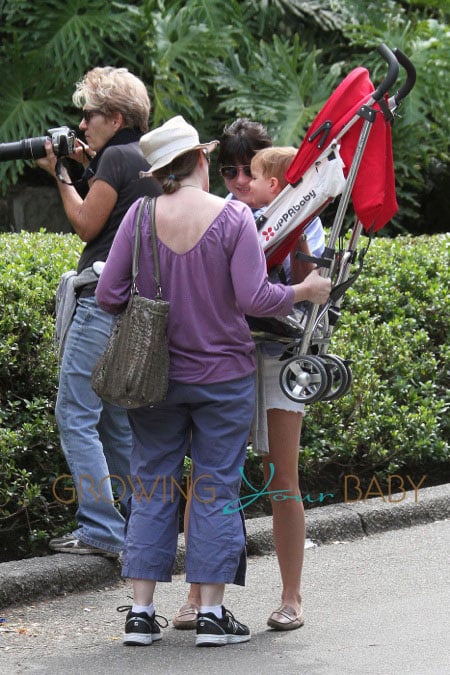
<point>347,151</point>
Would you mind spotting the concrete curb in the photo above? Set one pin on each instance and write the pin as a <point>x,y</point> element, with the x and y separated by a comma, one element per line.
<point>36,578</point>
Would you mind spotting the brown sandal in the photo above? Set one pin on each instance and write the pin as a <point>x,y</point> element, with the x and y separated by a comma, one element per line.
<point>186,617</point>
<point>285,618</point>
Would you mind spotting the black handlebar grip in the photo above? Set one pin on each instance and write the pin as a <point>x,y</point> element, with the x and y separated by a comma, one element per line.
<point>392,74</point>
<point>410,75</point>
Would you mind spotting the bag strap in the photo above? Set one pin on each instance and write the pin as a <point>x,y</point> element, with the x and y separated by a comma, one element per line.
<point>154,238</point>
<point>137,245</point>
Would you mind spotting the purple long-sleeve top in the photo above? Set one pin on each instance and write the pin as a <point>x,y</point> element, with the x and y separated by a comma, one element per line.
<point>210,289</point>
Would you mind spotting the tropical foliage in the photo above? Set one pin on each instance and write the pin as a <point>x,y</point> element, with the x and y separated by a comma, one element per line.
<point>273,60</point>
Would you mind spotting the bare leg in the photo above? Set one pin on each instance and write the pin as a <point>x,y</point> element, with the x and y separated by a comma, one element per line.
<point>186,617</point>
<point>141,625</point>
<point>143,590</point>
<point>211,594</point>
<point>288,515</point>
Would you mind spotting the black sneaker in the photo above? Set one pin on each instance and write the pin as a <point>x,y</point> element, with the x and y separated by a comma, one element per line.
<point>141,628</point>
<point>214,632</point>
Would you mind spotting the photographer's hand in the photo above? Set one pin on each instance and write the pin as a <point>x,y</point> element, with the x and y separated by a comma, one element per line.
<point>48,163</point>
<point>82,153</point>
<point>89,215</point>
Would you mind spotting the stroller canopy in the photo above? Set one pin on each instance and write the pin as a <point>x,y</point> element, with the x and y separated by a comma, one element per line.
<point>373,194</point>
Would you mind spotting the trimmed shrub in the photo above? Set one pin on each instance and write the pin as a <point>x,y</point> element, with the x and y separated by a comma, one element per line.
<point>395,329</point>
<point>30,455</point>
<point>394,420</point>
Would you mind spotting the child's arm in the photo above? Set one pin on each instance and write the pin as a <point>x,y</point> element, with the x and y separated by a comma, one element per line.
<point>300,268</point>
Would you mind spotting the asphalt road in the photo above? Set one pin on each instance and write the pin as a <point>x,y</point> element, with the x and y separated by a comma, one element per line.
<point>376,605</point>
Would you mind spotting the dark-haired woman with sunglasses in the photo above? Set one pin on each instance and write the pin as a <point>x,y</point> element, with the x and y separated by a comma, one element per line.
<point>239,142</point>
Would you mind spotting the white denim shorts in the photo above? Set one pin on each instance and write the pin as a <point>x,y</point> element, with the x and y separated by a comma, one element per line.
<point>275,398</point>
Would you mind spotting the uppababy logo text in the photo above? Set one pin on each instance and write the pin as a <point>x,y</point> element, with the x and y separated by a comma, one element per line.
<point>288,215</point>
<point>295,208</point>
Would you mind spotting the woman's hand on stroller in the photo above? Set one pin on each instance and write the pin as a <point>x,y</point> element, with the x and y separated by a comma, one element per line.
<point>314,288</point>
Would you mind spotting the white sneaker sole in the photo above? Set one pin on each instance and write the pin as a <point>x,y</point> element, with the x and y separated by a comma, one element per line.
<point>140,639</point>
<point>219,640</point>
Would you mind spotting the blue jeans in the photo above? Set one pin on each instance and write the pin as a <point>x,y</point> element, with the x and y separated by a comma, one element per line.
<point>213,421</point>
<point>95,436</point>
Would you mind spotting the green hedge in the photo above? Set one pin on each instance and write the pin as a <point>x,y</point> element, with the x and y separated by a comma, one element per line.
<point>394,326</point>
<point>30,455</point>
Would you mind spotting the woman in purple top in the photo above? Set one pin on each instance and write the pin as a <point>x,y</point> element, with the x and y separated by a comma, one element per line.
<point>213,272</point>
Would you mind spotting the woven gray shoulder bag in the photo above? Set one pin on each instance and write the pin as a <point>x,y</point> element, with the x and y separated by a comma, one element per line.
<point>133,371</point>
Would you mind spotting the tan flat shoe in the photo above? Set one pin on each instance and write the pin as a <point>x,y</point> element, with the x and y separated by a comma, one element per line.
<point>186,617</point>
<point>285,618</point>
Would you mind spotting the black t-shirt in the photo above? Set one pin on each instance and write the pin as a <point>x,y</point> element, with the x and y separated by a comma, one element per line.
<point>119,166</point>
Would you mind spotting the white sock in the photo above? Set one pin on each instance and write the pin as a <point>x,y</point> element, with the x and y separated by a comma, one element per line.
<point>139,609</point>
<point>213,609</point>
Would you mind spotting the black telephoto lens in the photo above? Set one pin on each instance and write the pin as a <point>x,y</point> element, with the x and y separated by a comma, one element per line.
<point>28,148</point>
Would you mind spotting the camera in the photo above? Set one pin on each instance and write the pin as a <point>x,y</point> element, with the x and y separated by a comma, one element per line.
<point>63,143</point>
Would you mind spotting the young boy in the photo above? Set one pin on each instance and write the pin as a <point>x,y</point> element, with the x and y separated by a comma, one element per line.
<point>268,168</point>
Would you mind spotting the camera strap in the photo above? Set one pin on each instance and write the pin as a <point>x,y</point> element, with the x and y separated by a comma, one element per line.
<point>59,174</point>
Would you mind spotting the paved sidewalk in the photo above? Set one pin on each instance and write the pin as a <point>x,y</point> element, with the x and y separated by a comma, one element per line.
<point>375,605</point>
<point>57,574</point>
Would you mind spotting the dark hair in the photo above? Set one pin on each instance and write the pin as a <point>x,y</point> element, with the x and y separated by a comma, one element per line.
<point>182,166</point>
<point>241,140</point>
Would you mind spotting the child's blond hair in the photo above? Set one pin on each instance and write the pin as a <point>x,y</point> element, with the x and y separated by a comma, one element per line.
<point>274,162</point>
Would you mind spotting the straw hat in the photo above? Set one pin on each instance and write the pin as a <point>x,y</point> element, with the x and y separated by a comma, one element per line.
<point>174,138</point>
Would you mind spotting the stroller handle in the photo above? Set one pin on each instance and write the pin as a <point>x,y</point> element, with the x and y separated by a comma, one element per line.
<point>410,75</point>
<point>392,74</point>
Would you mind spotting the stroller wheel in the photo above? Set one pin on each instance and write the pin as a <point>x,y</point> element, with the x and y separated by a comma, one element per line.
<point>304,379</point>
<point>350,377</point>
<point>339,377</point>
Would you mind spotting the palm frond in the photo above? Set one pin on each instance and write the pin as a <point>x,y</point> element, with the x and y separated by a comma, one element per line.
<point>80,33</point>
<point>327,14</point>
<point>284,88</point>
<point>31,104</point>
<point>183,55</point>
<point>285,16</point>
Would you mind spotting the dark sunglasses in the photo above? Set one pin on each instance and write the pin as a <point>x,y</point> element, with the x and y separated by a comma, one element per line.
<point>231,172</point>
<point>88,114</point>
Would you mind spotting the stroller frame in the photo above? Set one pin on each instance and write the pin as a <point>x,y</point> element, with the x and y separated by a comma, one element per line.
<point>309,373</point>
